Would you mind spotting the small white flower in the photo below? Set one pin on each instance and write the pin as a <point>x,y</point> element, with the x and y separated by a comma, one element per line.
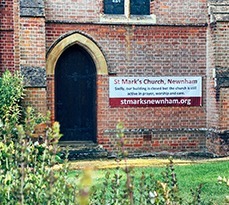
<point>152,194</point>
<point>36,143</point>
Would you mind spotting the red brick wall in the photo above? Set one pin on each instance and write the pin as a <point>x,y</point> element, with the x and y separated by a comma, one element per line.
<point>151,142</point>
<point>146,51</point>
<point>6,8</point>
<point>175,46</point>
<point>155,51</point>
<point>82,10</point>
<point>217,62</point>
<point>224,109</point>
<point>6,54</point>
<point>217,83</point>
<point>32,50</point>
<point>16,34</point>
<point>180,12</point>
<point>9,35</point>
<point>222,65</point>
<point>36,97</point>
<point>221,44</point>
<point>166,11</point>
<point>32,42</point>
<point>160,119</point>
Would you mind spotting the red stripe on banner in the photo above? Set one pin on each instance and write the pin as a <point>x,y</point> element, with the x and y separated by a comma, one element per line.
<point>155,102</point>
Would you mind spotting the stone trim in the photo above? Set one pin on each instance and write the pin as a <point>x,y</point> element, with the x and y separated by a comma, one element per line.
<point>218,10</point>
<point>85,42</point>
<point>32,8</point>
<point>150,131</point>
<point>218,143</point>
<point>33,76</point>
<point>222,76</point>
<point>146,22</point>
<point>132,19</point>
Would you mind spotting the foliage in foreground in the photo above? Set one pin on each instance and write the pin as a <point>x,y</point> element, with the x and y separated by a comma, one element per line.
<point>27,176</point>
<point>26,173</point>
<point>26,163</point>
<point>123,187</point>
<point>11,93</point>
<point>145,189</point>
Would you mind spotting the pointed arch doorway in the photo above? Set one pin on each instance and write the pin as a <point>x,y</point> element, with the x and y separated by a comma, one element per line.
<point>75,95</point>
<point>73,65</point>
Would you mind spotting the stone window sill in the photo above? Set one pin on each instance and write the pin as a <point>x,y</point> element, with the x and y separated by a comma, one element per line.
<point>133,19</point>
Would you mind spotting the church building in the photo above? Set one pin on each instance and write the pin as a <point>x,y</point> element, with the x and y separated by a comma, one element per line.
<point>159,66</point>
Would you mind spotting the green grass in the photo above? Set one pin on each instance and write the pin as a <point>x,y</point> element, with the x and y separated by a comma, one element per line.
<point>188,176</point>
<point>205,174</point>
<point>191,176</point>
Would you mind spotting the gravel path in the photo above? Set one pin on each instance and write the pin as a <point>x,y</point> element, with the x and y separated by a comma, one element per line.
<point>145,162</point>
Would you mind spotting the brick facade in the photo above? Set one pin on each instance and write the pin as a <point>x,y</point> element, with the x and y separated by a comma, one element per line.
<point>36,97</point>
<point>9,35</point>
<point>175,40</point>
<point>218,77</point>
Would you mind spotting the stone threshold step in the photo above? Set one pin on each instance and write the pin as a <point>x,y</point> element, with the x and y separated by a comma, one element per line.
<point>82,150</point>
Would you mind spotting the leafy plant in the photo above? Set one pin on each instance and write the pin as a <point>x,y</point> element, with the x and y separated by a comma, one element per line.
<point>27,175</point>
<point>11,93</point>
<point>122,187</point>
<point>28,159</point>
<point>26,169</point>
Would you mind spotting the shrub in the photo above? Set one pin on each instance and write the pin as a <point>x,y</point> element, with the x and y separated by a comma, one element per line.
<point>28,177</point>
<point>26,173</point>
<point>11,93</point>
<point>124,188</point>
<point>26,164</point>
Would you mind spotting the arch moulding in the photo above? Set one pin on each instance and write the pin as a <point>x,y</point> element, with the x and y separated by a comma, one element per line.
<point>86,43</point>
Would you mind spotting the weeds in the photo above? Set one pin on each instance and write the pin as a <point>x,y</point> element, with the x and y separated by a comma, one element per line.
<point>124,188</point>
<point>27,176</point>
<point>26,163</point>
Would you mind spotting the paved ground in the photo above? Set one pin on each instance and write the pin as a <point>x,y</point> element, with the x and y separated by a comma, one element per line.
<point>144,162</point>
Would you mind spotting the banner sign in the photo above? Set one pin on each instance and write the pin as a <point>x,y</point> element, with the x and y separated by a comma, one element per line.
<point>155,91</point>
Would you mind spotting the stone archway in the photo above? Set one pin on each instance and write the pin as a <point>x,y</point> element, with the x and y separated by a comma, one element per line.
<point>55,53</point>
<point>86,43</point>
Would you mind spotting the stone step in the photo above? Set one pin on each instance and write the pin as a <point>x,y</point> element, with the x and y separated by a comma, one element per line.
<point>82,150</point>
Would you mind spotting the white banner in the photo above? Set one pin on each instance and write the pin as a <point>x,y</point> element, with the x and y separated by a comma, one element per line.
<point>124,89</point>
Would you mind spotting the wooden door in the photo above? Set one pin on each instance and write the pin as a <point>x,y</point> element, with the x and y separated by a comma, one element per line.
<point>75,95</point>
